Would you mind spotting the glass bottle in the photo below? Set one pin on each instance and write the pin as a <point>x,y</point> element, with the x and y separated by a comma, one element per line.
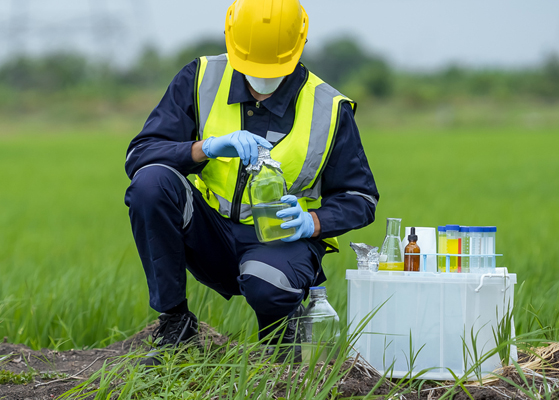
<point>373,259</point>
<point>367,256</point>
<point>265,189</point>
<point>321,327</point>
<point>391,252</point>
<point>411,262</point>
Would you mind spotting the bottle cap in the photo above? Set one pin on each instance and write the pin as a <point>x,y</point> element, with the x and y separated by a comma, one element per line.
<point>465,229</point>
<point>412,237</point>
<point>475,229</point>
<point>491,229</point>
<point>452,227</point>
<point>264,158</point>
<point>441,228</point>
<point>317,292</point>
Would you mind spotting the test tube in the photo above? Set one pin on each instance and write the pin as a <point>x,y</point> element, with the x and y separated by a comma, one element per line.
<point>441,260</point>
<point>453,245</point>
<point>489,233</point>
<point>476,262</point>
<point>465,248</point>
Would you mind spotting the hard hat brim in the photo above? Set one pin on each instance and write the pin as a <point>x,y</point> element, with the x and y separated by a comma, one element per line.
<point>259,70</point>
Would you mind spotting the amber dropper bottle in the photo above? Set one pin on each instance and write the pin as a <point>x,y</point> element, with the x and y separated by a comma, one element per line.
<point>411,263</point>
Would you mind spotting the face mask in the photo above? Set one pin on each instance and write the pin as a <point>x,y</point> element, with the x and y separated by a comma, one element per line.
<point>264,85</point>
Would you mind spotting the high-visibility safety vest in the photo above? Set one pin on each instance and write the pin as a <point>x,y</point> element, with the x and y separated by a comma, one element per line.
<point>303,152</point>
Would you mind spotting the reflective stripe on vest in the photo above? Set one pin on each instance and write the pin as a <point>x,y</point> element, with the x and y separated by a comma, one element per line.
<point>209,87</point>
<point>303,152</point>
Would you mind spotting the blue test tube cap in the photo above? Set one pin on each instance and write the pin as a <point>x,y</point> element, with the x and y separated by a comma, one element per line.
<point>475,229</point>
<point>464,229</point>
<point>317,287</point>
<point>441,228</point>
<point>491,228</point>
<point>452,227</point>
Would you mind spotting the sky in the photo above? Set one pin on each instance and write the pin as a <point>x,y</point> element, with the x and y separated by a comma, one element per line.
<point>411,34</point>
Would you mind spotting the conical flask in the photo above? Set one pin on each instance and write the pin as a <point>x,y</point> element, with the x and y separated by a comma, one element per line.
<point>391,252</point>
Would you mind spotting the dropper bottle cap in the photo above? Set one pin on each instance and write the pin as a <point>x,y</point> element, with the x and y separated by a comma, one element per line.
<point>412,237</point>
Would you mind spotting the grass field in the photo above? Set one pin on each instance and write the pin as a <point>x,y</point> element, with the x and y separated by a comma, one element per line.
<point>70,275</point>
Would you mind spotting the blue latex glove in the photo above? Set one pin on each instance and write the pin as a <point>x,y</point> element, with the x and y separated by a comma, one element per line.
<point>241,144</point>
<point>302,221</point>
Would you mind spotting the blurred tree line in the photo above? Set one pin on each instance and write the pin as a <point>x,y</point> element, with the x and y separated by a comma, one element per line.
<point>342,62</point>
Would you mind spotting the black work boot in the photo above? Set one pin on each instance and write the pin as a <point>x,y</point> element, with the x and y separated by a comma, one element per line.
<point>290,338</point>
<point>173,330</point>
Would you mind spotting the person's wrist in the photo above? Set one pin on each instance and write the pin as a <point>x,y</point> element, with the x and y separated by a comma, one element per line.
<point>206,147</point>
<point>197,152</point>
<point>316,222</point>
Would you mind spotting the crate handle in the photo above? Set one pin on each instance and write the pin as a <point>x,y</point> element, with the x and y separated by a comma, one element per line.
<point>507,280</point>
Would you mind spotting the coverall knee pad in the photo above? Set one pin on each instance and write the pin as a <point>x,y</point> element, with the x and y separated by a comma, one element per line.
<point>266,293</point>
<point>154,186</point>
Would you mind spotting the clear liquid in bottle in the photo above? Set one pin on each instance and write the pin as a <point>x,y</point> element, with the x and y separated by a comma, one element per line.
<point>321,328</point>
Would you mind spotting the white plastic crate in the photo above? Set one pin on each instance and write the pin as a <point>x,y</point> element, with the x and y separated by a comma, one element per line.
<point>439,310</point>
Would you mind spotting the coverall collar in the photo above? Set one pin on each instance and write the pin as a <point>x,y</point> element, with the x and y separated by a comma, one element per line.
<point>280,99</point>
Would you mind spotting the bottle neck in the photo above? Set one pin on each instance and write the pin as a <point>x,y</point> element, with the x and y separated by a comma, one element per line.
<point>393,226</point>
<point>318,294</point>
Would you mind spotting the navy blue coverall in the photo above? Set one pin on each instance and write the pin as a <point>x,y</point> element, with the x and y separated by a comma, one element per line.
<point>175,229</point>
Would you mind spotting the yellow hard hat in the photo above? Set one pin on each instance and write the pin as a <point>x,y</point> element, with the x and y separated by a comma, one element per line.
<point>265,38</point>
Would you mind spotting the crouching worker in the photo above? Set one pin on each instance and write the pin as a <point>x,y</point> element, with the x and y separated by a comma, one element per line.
<point>210,122</point>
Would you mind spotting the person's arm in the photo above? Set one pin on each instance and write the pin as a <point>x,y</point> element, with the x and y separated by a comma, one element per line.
<point>349,192</point>
<point>169,134</point>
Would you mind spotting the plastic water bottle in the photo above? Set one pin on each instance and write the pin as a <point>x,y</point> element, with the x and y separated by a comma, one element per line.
<point>321,327</point>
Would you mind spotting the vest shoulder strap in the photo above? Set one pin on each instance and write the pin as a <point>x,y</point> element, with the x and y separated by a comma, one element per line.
<point>211,69</point>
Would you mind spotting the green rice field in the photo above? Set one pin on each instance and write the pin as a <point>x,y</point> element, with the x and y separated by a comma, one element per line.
<point>70,276</point>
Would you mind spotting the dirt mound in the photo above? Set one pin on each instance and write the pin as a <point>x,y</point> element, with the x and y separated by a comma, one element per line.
<point>46,374</point>
<point>49,373</point>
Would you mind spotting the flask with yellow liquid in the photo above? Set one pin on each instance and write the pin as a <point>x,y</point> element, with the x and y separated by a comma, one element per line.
<point>266,187</point>
<point>391,252</point>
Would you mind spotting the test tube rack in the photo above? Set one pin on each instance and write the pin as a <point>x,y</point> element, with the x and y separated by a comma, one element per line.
<point>447,257</point>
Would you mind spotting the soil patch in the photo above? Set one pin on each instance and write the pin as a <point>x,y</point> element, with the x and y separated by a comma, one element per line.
<point>49,374</point>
